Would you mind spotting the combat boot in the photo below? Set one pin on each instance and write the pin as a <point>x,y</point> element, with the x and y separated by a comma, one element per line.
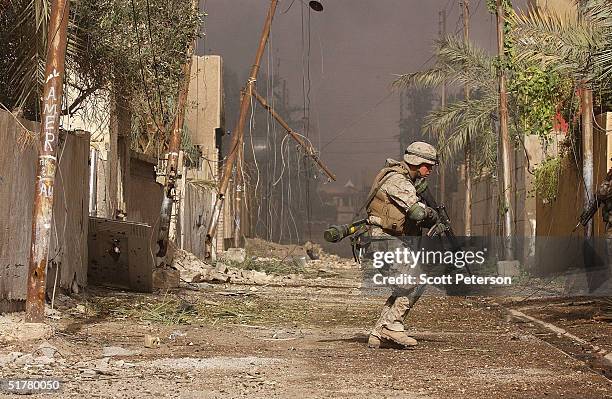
<point>398,337</point>
<point>374,342</point>
<point>391,339</point>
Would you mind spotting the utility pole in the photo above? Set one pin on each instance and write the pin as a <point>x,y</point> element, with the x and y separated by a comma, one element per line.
<point>503,130</point>
<point>174,146</point>
<point>237,136</point>
<point>307,147</point>
<point>442,168</point>
<point>467,211</point>
<point>47,161</point>
<point>238,189</point>
<point>587,151</point>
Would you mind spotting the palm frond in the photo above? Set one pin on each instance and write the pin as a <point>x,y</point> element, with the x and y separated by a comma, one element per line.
<point>565,42</point>
<point>31,28</point>
<point>457,62</point>
<point>453,124</point>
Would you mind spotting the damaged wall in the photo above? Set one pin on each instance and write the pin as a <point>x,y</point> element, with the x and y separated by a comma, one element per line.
<point>68,247</point>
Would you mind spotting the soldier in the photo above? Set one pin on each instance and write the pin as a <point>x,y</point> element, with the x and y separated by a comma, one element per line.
<point>604,196</point>
<point>598,278</point>
<point>394,209</point>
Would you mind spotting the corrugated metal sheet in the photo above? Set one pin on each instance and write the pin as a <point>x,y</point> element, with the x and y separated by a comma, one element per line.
<point>69,239</point>
<point>198,204</point>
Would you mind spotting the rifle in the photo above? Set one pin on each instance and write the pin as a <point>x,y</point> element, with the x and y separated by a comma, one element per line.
<point>588,213</point>
<point>443,226</point>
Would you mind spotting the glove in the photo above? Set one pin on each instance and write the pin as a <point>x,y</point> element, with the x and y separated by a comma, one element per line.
<point>437,229</point>
<point>431,217</point>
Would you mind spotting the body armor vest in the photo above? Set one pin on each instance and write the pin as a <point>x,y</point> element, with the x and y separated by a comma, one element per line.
<point>390,217</point>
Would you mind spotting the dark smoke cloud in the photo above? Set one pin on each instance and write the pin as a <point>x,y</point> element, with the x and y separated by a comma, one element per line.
<point>356,48</point>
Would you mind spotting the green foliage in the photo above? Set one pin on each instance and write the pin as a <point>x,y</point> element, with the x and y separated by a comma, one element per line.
<point>536,92</point>
<point>192,153</point>
<point>461,63</point>
<point>134,49</point>
<point>492,6</point>
<point>547,179</point>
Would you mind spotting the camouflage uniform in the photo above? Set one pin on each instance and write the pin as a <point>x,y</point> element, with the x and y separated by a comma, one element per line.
<point>399,190</point>
<point>402,192</point>
<point>604,196</point>
<point>598,278</point>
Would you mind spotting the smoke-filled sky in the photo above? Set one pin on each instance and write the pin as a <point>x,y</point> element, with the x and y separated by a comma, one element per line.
<point>356,49</point>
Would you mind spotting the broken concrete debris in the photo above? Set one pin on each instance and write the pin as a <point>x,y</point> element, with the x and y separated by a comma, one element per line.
<point>46,349</point>
<point>110,351</point>
<point>151,341</point>
<point>166,277</point>
<point>261,263</point>
<point>237,255</point>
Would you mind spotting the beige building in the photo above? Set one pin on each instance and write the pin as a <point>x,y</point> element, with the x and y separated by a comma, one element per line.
<point>560,6</point>
<point>205,126</point>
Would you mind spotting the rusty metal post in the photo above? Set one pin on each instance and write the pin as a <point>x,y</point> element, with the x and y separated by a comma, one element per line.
<point>42,214</point>
<point>237,136</point>
<point>174,147</point>
<point>306,146</point>
<point>587,151</point>
<point>505,137</point>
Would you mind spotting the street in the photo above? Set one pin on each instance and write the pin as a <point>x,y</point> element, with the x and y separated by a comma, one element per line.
<point>302,340</point>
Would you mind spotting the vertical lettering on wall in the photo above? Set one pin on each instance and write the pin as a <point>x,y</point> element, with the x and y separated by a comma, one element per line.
<point>50,111</point>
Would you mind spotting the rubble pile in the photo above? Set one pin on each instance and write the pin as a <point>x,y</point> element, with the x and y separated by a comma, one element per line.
<point>261,263</point>
<point>14,328</point>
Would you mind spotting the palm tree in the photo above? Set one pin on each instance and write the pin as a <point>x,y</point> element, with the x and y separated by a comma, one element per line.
<point>467,122</point>
<point>461,63</point>
<point>27,35</point>
<point>578,46</point>
<point>131,48</point>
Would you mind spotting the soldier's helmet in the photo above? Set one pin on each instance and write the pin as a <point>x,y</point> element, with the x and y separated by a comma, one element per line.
<point>420,152</point>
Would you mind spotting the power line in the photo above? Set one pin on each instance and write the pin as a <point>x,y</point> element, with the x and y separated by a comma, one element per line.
<point>144,81</point>
<point>346,129</point>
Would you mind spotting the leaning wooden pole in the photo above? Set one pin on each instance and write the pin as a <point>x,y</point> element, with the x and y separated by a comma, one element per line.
<point>237,136</point>
<point>442,167</point>
<point>47,160</point>
<point>503,130</point>
<point>467,207</point>
<point>310,151</point>
<point>174,146</point>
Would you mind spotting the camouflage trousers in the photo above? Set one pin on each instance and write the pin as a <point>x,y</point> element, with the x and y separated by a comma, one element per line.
<point>402,298</point>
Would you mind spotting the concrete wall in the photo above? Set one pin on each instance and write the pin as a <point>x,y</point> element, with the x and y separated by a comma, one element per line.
<point>487,217</point>
<point>143,193</point>
<point>204,113</point>
<point>532,215</point>
<point>204,118</point>
<point>560,7</point>
<point>68,248</point>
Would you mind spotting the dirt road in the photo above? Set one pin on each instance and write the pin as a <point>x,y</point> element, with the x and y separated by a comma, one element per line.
<point>279,342</point>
